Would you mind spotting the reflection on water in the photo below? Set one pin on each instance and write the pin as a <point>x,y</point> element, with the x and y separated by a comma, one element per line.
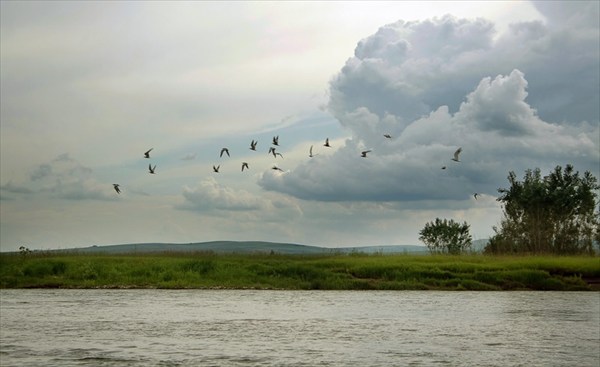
<point>298,328</point>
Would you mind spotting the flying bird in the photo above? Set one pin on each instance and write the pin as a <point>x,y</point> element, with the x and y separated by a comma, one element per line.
<point>150,169</point>
<point>216,169</point>
<point>275,154</point>
<point>364,153</point>
<point>455,158</point>
<point>253,145</point>
<point>327,143</point>
<point>387,136</point>
<point>443,167</point>
<point>475,195</point>
<point>277,168</point>
<point>147,154</point>
<point>310,153</point>
<point>117,189</point>
<point>244,165</point>
<point>224,150</point>
<point>276,140</point>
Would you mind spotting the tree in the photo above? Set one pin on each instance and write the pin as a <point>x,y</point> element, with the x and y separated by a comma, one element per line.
<point>551,214</point>
<point>443,236</point>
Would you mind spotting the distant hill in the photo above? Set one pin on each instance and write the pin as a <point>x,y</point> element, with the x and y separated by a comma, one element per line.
<point>242,247</point>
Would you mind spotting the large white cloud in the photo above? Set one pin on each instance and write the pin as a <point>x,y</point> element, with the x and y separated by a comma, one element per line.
<point>445,83</point>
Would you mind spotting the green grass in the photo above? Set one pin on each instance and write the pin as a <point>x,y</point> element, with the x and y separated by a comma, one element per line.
<point>343,272</point>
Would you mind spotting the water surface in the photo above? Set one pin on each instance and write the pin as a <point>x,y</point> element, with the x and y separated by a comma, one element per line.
<point>298,328</point>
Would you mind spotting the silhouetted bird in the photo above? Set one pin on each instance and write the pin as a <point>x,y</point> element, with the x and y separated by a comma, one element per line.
<point>277,168</point>
<point>244,165</point>
<point>455,158</point>
<point>327,143</point>
<point>276,140</point>
<point>475,195</point>
<point>216,169</point>
<point>224,150</point>
<point>117,189</point>
<point>147,154</point>
<point>364,153</point>
<point>310,153</point>
<point>253,145</point>
<point>387,136</point>
<point>272,150</point>
<point>150,169</point>
<point>443,167</point>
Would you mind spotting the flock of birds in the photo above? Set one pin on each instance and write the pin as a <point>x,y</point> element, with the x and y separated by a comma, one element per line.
<point>275,153</point>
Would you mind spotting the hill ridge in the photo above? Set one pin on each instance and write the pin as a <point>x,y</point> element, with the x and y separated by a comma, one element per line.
<point>227,246</point>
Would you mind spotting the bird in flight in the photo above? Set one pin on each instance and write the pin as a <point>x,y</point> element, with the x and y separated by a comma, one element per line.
<point>455,158</point>
<point>275,154</point>
<point>364,153</point>
<point>387,136</point>
<point>224,150</point>
<point>150,169</point>
<point>216,169</point>
<point>276,140</point>
<point>277,168</point>
<point>310,153</point>
<point>117,189</point>
<point>147,154</point>
<point>244,165</point>
<point>475,195</point>
<point>327,143</point>
<point>443,167</point>
<point>253,145</point>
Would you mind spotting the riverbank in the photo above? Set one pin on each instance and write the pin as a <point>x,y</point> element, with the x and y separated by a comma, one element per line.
<point>333,272</point>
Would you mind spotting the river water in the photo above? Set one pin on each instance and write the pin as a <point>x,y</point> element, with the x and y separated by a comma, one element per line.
<point>298,328</point>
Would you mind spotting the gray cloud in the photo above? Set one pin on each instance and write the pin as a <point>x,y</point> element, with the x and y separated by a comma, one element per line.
<point>16,189</point>
<point>444,83</point>
<point>65,177</point>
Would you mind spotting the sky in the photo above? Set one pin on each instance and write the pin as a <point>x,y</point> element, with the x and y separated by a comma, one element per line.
<point>88,87</point>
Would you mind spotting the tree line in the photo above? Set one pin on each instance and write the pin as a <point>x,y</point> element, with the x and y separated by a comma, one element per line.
<point>554,214</point>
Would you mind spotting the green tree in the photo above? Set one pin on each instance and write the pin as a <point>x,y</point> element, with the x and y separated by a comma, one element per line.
<point>551,214</point>
<point>446,236</point>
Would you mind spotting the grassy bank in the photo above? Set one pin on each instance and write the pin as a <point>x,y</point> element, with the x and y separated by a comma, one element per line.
<point>351,272</point>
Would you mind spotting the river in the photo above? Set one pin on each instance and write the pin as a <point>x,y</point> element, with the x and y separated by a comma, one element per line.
<point>298,328</point>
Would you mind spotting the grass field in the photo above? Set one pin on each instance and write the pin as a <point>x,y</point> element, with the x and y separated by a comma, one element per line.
<point>340,272</point>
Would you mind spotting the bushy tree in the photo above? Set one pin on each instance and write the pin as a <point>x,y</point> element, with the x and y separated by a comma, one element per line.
<point>551,214</point>
<point>446,236</point>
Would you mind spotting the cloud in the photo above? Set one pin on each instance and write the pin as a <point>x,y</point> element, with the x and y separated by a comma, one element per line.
<point>66,178</point>
<point>211,196</point>
<point>440,84</point>
<point>17,189</point>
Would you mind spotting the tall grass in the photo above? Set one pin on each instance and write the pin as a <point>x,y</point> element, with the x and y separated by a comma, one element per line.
<point>358,271</point>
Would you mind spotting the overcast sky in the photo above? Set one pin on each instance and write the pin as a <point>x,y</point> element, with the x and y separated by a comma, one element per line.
<point>88,87</point>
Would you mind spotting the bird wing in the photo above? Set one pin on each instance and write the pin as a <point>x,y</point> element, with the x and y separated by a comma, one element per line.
<point>457,153</point>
